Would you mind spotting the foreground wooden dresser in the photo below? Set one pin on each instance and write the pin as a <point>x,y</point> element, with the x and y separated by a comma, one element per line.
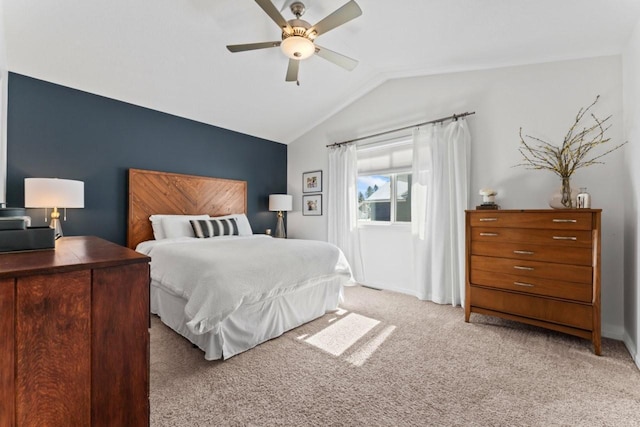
<point>75,340</point>
<point>540,267</point>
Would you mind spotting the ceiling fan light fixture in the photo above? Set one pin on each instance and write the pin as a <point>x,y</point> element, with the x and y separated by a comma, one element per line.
<point>298,36</point>
<point>297,47</point>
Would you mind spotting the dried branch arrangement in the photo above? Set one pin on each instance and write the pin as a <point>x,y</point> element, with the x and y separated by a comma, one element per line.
<point>574,151</point>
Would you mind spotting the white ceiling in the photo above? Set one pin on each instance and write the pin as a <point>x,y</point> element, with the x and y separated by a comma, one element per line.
<point>170,55</point>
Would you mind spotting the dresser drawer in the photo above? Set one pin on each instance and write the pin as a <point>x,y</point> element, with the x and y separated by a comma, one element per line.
<point>562,312</point>
<point>555,237</point>
<point>526,251</point>
<point>525,269</point>
<point>552,220</point>
<point>582,292</point>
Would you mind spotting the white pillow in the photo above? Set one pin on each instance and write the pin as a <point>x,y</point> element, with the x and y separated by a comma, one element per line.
<point>244,228</point>
<point>158,228</point>
<point>179,226</point>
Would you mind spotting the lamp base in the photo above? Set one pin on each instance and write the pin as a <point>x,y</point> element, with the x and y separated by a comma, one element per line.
<point>55,224</point>
<point>280,233</point>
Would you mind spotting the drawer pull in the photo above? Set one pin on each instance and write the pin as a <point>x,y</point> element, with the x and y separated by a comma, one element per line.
<point>489,234</point>
<point>523,252</point>
<point>564,238</point>
<point>488,219</point>
<point>519,267</point>
<point>565,220</point>
<point>528,285</point>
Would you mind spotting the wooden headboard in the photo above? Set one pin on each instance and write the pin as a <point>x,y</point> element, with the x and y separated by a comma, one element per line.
<point>152,192</point>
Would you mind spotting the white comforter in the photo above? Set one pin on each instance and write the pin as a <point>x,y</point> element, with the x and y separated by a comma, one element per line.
<point>217,275</point>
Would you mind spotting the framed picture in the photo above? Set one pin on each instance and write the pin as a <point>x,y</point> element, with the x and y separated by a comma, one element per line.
<point>312,204</point>
<point>312,182</point>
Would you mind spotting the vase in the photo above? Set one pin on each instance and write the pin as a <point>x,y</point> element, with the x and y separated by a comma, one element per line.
<point>564,197</point>
<point>583,199</point>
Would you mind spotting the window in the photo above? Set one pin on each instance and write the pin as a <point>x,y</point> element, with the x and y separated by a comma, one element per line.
<point>375,193</point>
<point>384,182</point>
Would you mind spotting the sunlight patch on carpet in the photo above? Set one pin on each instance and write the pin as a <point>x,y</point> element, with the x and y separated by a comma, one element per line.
<point>364,353</point>
<point>339,336</point>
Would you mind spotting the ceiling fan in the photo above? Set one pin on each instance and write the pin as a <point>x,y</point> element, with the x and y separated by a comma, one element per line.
<point>298,36</point>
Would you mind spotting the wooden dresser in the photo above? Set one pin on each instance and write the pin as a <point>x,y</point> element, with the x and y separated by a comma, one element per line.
<point>540,267</point>
<point>74,323</point>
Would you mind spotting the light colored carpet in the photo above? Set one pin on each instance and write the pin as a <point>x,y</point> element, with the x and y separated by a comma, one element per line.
<point>389,359</point>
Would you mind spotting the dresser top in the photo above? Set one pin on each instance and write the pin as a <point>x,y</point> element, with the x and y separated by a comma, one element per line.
<point>70,253</point>
<point>533,210</point>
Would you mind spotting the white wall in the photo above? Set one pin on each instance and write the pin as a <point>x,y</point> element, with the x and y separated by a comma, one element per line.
<point>542,98</point>
<point>387,253</point>
<point>631,103</point>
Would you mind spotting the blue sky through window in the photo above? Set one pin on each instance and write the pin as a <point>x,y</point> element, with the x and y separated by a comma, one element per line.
<point>371,180</point>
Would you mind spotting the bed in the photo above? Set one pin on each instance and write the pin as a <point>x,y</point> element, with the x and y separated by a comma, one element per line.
<point>228,293</point>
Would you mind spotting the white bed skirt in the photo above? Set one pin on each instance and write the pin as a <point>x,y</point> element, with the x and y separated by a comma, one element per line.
<point>251,324</point>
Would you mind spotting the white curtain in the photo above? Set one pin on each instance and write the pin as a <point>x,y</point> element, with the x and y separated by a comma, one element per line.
<point>342,205</point>
<point>440,195</point>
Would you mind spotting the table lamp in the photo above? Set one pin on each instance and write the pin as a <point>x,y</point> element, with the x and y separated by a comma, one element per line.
<point>280,203</point>
<point>53,193</point>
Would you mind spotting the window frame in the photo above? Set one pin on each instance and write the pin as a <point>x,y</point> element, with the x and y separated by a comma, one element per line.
<point>393,177</point>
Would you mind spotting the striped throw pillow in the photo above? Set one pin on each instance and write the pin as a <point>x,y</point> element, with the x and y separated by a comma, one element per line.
<point>204,228</point>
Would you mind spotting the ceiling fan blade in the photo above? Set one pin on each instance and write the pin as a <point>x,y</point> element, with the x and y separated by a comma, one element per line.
<point>274,14</point>
<point>337,58</point>
<point>344,14</point>
<point>292,70</point>
<point>252,46</point>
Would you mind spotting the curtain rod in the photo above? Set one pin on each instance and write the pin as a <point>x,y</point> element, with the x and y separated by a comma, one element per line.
<point>452,117</point>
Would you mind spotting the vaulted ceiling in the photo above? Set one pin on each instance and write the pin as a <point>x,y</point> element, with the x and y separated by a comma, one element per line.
<point>171,56</point>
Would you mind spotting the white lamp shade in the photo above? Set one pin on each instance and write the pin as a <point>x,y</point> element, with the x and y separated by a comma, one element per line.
<point>280,202</point>
<point>53,193</point>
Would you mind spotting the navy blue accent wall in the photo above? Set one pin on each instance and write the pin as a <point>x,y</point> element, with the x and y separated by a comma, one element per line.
<point>55,131</point>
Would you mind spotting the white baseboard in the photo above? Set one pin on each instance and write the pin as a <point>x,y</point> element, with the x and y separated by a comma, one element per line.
<point>632,348</point>
<point>392,288</point>
<point>621,334</point>
<point>613,332</point>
